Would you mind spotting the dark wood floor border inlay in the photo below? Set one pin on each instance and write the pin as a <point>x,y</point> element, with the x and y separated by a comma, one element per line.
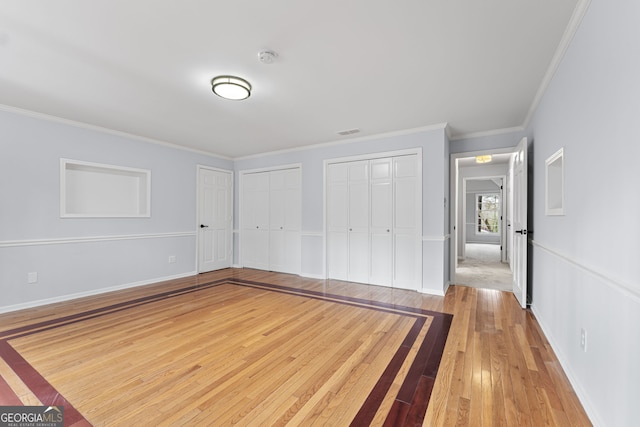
<point>38,385</point>
<point>408,408</point>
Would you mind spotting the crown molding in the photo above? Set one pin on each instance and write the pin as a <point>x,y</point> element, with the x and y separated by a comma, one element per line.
<point>96,128</point>
<point>574,23</point>
<point>487,133</point>
<point>438,126</point>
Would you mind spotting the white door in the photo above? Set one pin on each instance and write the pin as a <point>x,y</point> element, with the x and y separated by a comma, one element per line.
<point>215,219</point>
<point>277,198</point>
<point>255,220</point>
<point>374,215</point>
<point>520,224</point>
<point>337,220</point>
<point>407,205</point>
<point>358,257</point>
<point>284,221</point>
<point>381,271</point>
<point>348,221</point>
<point>292,220</point>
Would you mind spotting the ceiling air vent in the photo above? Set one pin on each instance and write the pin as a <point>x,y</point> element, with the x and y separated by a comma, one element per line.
<point>348,132</point>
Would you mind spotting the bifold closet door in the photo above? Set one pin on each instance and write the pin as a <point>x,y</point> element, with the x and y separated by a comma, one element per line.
<point>255,220</point>
<point>381,271</point>
<point>348,221</point>
<point>358,232</point>
<point>373,221</point>
<point>407,214</point>
<point>284,220</point>
<point>338,221</point>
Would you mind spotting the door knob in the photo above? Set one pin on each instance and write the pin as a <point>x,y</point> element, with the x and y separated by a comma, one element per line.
<point>203,226</point>
<point>523,232</point>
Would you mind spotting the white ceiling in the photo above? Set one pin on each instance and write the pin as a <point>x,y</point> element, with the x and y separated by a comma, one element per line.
<point>144,67</point>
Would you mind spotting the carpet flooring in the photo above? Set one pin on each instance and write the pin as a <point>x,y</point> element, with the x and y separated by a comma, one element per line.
<point>482,268</point>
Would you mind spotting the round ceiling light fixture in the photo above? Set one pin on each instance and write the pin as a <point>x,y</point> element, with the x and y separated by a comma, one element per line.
<point>231,87</point>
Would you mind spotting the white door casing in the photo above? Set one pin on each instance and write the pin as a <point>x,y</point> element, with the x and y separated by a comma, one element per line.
<point>215,219</point>
<point>520,224</point>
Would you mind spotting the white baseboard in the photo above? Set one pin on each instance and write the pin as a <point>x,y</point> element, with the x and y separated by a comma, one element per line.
<point>566,367</point>
<point>431,292</point>
<point>38,303</point>
<point>312,276</point>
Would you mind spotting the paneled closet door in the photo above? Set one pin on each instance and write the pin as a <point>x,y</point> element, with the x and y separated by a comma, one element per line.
<point>381,272</point>
<point>407,216</point>
<point>293,220</point>
<point>374,221</point>
<point>284,220</point>
<point>255,220</point>
<point>358,242</point>
<point>337,221</point>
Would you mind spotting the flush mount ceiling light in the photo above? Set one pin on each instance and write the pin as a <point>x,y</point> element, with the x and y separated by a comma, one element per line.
<point>483,159</point>
<point>230,87</point>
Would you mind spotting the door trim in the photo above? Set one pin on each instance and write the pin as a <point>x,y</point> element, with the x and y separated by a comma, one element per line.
<point>454,179</point>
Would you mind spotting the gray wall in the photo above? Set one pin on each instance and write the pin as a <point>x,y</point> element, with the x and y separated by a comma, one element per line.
<point>584,264</point>
<point>83,256</point>
<point>78,256</point>
<point>586,269</point>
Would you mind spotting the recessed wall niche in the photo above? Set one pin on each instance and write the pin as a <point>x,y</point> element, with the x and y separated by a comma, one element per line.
<point>554,183</point>
<point>95,190</point>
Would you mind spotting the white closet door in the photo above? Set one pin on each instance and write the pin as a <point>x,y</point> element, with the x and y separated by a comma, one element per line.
<point>374,216</point>
<point>284,220</point>
<point>358,200</point>
<point>277,196</point>
<point>292,220</point>
<point>338,221</point>
<point>407,217</point>
<point>381,272</point>
<point>255,220</point>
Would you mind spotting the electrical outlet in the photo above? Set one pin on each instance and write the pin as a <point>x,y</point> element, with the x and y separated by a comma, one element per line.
<point>583,340</point>
<point>172,259</point>
<point>32,277</point>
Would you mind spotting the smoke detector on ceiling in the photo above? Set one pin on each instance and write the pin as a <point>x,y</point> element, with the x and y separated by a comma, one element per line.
<point>267,56</point>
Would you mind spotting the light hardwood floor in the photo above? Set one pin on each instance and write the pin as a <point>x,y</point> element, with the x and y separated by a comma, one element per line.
<point>497,367</point>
